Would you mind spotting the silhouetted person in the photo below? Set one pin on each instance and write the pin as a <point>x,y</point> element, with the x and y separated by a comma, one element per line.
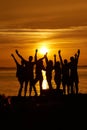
<point>20,74</point>
<point>29,74</point>
<point>49,69</point>
<point>38,71</point>
<point>57,76</point>
<point>65,73</point>
<point>74,80</point>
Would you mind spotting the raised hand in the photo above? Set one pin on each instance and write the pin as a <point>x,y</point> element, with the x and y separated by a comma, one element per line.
<point>12,55</point>
<point>78,51</point>
<point>16,51</point>
<point>36,50</point>
<point>45,55</point>
<point>59,51</point>
<point>54,55</point>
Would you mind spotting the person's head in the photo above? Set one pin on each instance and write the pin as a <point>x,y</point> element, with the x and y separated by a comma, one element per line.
<point>57,64</point>
<point>65,61</point>
<point>50,62</point>
<point>40,63</point>
<point>71,58</point>
<point>30,58</point>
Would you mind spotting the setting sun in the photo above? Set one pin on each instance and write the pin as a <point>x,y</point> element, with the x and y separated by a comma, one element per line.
<point>43,50</point>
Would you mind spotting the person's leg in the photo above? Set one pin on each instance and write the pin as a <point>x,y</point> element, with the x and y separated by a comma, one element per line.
<point>25,89</point>
<point>20,89</point>
<point>40,83</point>
<point>32,85</point>
<point>76,85</point>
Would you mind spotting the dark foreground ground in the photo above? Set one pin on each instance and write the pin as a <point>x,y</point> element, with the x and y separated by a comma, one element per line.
<point>60,112</point>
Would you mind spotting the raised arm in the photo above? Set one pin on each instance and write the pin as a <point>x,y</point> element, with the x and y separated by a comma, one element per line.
<point>36,60</point>
<point>60,57</point>
<point>19,55</point>
<point>15,59</point>
<point>77,55</point>
<point>36,54</point>
<point>54,60</point>
<point>46,59</point>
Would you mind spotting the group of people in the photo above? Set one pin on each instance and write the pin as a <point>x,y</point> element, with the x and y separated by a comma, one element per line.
<point>65,73</point>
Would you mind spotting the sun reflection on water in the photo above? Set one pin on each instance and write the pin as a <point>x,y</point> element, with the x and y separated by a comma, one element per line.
<point>44,83</point>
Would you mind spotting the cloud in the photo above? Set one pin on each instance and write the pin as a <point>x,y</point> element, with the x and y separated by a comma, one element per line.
<point>43,14</point>
<point>29,37</point>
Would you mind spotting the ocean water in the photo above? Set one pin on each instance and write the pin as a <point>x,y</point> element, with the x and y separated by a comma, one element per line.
<point>9,84</point>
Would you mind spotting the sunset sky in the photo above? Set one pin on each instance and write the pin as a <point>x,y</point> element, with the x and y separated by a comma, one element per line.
<point>55,24</point>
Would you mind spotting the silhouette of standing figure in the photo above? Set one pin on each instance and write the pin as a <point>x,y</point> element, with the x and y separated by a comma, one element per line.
<point>65,73</point>
<point>20,74</point>
<point>74,79</point>
<point>57,76</point>
<point>38,71</point>
<point>29,65</point>
<point>49,68</point>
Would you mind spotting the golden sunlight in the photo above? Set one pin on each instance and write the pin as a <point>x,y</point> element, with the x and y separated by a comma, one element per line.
<point>44,83</point>
<point>43,50</point>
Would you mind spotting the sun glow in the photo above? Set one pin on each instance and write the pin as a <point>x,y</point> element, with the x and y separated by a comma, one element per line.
<point>44,83</point>
<point>43,50</point>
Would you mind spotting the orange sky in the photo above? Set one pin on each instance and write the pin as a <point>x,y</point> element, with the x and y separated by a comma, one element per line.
<point>43,14</point>
<point>64,25</point>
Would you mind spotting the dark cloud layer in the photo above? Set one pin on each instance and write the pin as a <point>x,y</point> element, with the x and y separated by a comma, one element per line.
<point>42,14</point>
